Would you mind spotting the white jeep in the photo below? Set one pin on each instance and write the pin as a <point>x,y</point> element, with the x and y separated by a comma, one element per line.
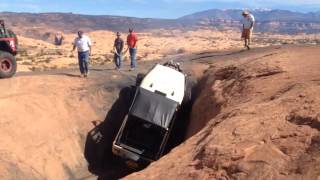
<point>145,131</point>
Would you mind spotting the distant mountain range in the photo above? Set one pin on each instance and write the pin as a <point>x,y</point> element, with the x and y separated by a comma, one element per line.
<point>279,21</point>
<point>261,15</point>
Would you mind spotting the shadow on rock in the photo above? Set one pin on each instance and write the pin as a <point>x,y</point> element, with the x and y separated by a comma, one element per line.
<point>182,122</point>
<point>98,147</point>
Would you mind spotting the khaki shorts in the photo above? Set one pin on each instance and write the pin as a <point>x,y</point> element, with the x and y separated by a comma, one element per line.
<point>246,33</point>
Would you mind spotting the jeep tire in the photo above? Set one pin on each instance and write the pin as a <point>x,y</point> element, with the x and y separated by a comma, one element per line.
<point>8,65</point>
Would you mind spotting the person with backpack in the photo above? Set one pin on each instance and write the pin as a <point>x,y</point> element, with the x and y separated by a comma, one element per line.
<point>132,40</point>
<point>83,45</point>
<point>118,48</point>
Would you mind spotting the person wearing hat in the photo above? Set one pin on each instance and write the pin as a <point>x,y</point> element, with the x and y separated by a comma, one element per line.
<point>247,28</point>
<point>83,45</point>
<point>118,48</point>
<point>132,40</point>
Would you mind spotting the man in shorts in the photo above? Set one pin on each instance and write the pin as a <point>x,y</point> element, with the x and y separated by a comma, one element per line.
<point>247,28</point>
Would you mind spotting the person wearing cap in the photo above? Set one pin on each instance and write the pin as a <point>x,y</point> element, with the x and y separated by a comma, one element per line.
<point>132,40</point>
<point>247,28</point>
<point>118,48</point>
<point>83,45</point>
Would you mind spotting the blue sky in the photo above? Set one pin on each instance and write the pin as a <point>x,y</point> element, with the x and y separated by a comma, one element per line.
<point>151,8</point>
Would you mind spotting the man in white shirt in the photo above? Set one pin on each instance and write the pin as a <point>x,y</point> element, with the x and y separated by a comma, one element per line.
<point>247,28</point>
<point>83,45</point>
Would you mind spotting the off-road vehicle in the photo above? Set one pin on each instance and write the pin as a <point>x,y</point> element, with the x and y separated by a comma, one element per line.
<point>145,131</point>
<point>8,50</point>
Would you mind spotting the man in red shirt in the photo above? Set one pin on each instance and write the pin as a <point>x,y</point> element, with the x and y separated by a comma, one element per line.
<point>132,46</point>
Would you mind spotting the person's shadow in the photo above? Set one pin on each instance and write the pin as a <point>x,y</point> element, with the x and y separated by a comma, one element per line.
<point>98,147</point>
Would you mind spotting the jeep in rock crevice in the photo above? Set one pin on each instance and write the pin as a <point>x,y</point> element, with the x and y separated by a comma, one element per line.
<point>145,131</point>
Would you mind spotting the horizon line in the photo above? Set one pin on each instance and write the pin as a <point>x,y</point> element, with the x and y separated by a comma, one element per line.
<point>221,9</point>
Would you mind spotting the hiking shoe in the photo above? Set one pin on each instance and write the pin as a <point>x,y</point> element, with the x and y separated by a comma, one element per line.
<point>85,75</point>
<point>81,75</point>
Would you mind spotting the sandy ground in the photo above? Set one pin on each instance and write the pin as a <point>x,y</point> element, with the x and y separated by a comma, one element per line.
<point>38,55</point>
<point>256,116</point>
<point>42,123</point>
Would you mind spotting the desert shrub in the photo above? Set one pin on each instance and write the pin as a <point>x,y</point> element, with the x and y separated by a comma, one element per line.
<point>48,60</point>
<point>26,63</point>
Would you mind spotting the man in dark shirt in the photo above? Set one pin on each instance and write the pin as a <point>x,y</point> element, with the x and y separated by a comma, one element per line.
<point>118,48</point>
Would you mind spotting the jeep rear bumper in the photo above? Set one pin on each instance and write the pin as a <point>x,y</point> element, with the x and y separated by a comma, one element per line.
<point>128,156</point>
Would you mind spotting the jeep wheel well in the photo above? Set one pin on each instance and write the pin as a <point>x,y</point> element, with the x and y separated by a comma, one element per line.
<point>4,46</point>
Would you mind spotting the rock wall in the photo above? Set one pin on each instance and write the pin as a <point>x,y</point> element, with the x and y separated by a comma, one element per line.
<point>256,118</point>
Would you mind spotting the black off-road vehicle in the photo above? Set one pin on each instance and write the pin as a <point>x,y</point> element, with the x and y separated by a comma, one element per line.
<point>8,50</point>
<point>143,136</point>
<point>145,122</point>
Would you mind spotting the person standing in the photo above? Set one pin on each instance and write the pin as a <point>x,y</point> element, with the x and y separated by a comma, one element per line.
<point>83,45</point>
<point>58,39</point>
<point>3,31</point>
<point>118,48</point>
<point>132,40</point>
<point>247,28</point>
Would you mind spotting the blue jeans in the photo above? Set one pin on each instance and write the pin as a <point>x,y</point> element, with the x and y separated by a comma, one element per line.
<point>118,60</point>
<point>133,54</point>
<point>83,58</point>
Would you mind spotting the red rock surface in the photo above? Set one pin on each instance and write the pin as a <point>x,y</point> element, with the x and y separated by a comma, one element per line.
<point>257,117</point>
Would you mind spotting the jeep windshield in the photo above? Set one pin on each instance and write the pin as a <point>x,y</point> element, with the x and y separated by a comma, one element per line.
<point>146,129</point>
<point>142,137</point>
